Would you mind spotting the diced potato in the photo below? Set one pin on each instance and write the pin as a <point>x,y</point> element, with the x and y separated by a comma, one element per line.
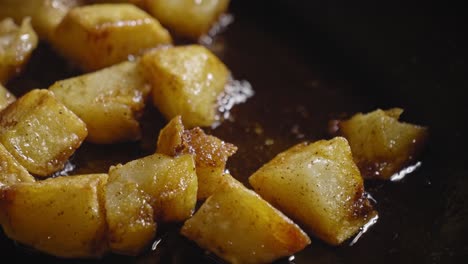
<point>240,227</point>
<point>6,98</point>
<point>11,171</point>
<point>109,101</point>
<point>45,14</point>
<point>171,183</point>
<point>61,216</point>
<point>176,190</point>
<point>210,153</point>
<point>187,17</point>
<point>16,45</point>
<point>129,216</point>
<point>97,36</point>
<point>318,185</point>
<point>382,145</point>
<point>187,81</point>
<point>40,132</point>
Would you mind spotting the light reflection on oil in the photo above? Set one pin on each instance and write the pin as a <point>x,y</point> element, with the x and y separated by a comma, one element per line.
<point>236,92</point>
<point>364,229</point>
<point>402,174</point>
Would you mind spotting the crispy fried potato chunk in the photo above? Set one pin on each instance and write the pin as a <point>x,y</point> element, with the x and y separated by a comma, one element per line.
<point>61,216</point>
<point>6,98</point>
<point>11,171</point>
<point>45,14</point>
<point>16,46</point>
<point>97,36</point>
<point>40,132</point>
<point>240,227</point>
<point>171,183</point>
<point>186,81</point>
<point>187,18</point>
<point>210,153</point>
<point>318,185</point>
<point>138,193</point>
<point>109,101</point>
<point>381,144</point>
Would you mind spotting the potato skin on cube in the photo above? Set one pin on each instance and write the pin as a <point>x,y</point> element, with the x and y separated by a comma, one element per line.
<point>11,171</point>
<point>187,18</point>
<point>319,186</point>
<point>40,132</point>
<point>97,36</point>
<point>6,98</point>
<point>186,81</point>
<point>109,101</point>
<point>240,227</point>
<point>381,144</point>
<point>45,14</point>
<point>16,46</point>
<point>210,153</point>
<point>170,183</point>
<point>61,216</point>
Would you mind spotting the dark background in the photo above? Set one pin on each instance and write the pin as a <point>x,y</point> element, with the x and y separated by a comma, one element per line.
<point>411,54</point>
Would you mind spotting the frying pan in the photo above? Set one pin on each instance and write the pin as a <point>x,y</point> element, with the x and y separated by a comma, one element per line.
<point>310,62</point>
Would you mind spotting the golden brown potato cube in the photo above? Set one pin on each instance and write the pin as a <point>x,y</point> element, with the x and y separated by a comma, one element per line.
<point>40,132</point>
<point>171,183</point>
<point>45,14</point>
<point>187,81</point>
<point>177,190</point>
<point>318,185</point>
<point>61,216</point>
<point>381,144</point>
<point>97,36</point>
<point>16,45</point>
<point>210,153</point>
<point>129,216</point>
<point>6,98</point>
<point>187,18</point>
<point>109,101</point>
<point>11,171</point>
<point>240,227</point>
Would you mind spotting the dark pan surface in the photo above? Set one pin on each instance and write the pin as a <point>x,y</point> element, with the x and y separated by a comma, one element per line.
<point>310,62</point>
